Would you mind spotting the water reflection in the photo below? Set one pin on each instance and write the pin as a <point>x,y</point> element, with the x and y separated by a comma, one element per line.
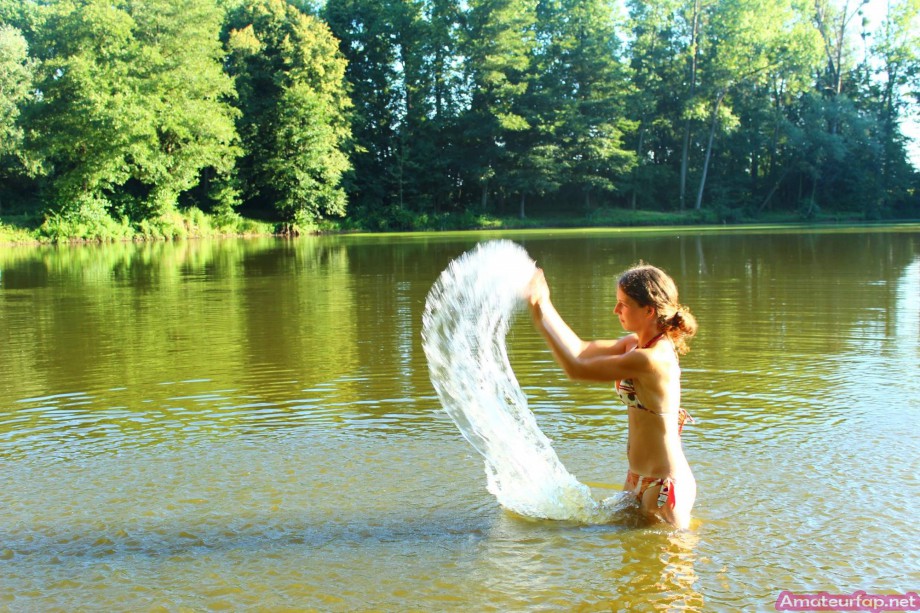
<point>555,565</point>
<point>659,571</point>
<point>249,423</point>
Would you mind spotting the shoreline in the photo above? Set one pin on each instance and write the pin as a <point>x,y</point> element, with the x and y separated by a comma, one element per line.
<point>17,235</point>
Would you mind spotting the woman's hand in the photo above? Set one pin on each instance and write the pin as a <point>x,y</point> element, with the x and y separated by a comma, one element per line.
<point>537,289</point>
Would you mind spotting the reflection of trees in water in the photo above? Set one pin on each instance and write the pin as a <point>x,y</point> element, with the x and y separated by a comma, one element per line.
<point>330,311</point>
<point>742,282</point>
<point>907,313</point>
<point>296,301</point>
<point>345,311</point>
<point>735,280</point>
<point>795,293</point>
<point>110,313</point>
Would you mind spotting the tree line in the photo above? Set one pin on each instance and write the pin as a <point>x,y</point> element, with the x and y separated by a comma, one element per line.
<point>387,114</point>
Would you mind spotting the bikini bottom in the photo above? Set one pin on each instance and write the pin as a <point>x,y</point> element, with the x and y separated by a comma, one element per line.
<point>637,484</point>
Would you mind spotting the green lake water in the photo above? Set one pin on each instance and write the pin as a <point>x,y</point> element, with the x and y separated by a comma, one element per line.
<point>249,424</point>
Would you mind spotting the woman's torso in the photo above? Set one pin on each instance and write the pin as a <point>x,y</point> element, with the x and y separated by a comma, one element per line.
<point>653,402</point>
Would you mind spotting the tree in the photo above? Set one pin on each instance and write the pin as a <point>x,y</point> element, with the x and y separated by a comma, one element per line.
<point>447,96</point>
<point>498,45</point>
<point>833,21</point>
<point>16,72</point>
<point>652,99</point>
<point>580,94</point>
<point>407,77</point>
<point>896,49</point>
<point>366,31</point>
<point>862,104</point>
<point>91,116</point>
<point>669,38</point>
<point>15,84</point>
<point>306,165</point>
<point>134,104</point>
<point>748,40</point>
<point>790,78</point>
<point>294,123</point>
<point>188,96</point>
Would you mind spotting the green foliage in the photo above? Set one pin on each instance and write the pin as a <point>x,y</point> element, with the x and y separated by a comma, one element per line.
<point>86,220</point>
<point>310,188</point>
<point>133,103</point>
<point>293,122</point>
<point>16,68</point>
<point>186,93</point>
<point>580,84</point>
<point>89,222</point>
<point>17,231</point>
<point>169,118</point>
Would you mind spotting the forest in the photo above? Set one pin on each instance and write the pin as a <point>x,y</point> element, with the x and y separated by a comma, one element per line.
<point>143,118</point>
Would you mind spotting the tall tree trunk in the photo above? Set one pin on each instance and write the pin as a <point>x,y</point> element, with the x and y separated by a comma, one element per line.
<point>685,153</point>
<point>685,149</point>
<point>640,157</point>
<point>777,118</point>
<point>811,200</point>
<point>523,200</point>
<point>712,134</point>
<point>755,171</point>
<point>773,189</point>
<point>834,38</point>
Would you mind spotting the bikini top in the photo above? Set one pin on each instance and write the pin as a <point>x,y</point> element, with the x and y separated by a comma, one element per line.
<point>626,390</point>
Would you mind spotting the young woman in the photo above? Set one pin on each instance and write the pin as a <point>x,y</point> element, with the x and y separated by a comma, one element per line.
<point>644,369</point>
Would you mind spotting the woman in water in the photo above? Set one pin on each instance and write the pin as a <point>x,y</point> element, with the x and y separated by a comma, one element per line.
<point>644,369</point>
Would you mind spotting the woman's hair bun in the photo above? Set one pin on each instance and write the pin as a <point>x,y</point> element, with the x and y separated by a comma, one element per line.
<point>677,318</point>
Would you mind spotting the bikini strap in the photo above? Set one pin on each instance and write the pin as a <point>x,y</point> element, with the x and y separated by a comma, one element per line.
<point>683,416</point>
<point>653,341</point>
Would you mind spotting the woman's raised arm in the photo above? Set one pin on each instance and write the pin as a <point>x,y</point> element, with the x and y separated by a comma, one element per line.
<point>601,360</point>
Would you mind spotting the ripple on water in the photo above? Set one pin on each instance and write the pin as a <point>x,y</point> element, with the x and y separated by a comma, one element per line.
<point>244,482</point>
<point>180,412</point>
<point>212,512</point>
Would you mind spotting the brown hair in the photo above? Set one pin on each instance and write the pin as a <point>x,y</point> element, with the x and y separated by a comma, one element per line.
<point>651,286</point>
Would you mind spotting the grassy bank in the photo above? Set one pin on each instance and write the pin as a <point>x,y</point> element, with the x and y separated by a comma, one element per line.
<point>192,223</point>
<point>600,218</point>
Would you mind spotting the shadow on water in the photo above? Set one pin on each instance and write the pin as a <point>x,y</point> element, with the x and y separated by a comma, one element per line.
<point>254,533</point>
<point>212,532</point>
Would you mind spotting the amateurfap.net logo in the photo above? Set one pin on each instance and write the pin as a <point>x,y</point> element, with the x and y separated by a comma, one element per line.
<point>857,601</point>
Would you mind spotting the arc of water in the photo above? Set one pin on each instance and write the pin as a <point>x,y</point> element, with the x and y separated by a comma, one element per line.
<point>464,327</point>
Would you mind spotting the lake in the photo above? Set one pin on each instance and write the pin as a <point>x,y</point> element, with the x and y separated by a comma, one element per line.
<point>221,425</point>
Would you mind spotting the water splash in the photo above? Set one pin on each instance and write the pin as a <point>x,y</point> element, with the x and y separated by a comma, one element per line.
<point>467,315</point>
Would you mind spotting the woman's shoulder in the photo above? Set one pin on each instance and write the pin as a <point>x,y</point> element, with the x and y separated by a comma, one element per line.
<point>663,357</point>
<point>611,347</point>
<point>627,343</point>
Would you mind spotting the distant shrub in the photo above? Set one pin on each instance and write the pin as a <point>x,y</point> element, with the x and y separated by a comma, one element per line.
<point>84,221</point>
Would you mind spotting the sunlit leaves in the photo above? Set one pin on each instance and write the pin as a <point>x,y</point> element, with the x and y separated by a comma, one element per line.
<point>16,72</point>
<point>294,124</point>
<point>133,103</point>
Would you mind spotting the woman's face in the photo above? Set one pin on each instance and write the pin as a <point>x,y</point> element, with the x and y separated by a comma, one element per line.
<point>631,315</point>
